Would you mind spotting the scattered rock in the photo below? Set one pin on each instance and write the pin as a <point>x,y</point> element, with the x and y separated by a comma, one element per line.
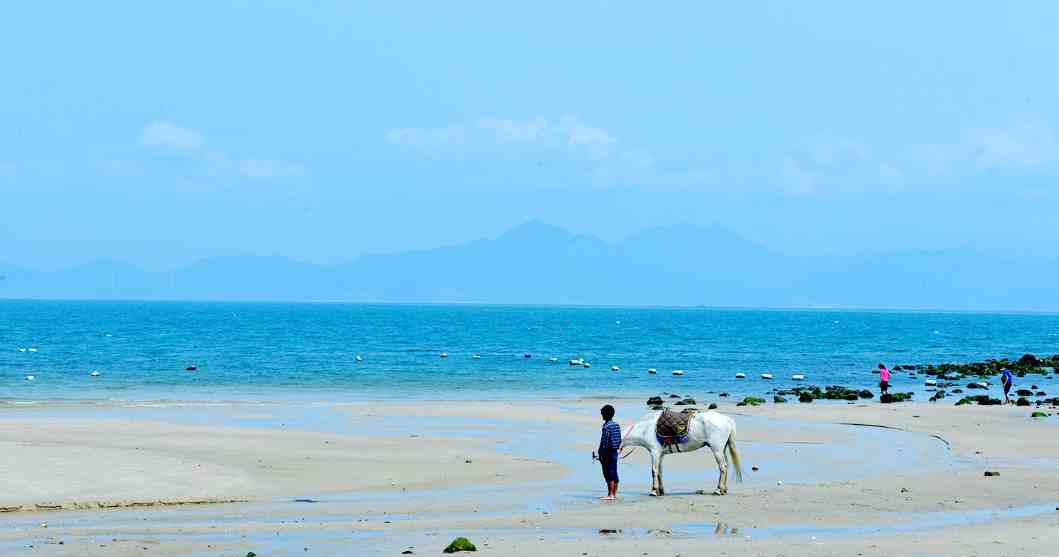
<point>1024,392</point>
<point>654,401</point>
<point>991,473</point>
<point>685,402</point>
<point>751,401</point>
<point>754,468</point>
<point>608,531</point>
<point>805,397</point>
<point>895,397</point>
<point>723,395</point>
<point>904,490</point>
<point>251,554</point>
<point>713,406</point>
<point>460,544</point>
<point>778,399</point>
<point>1022,401</point>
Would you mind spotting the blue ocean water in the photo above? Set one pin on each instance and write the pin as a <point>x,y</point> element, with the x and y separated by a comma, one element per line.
<point>273,351</point>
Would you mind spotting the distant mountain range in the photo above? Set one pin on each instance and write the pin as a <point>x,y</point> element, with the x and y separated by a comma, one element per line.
<point>536,263</point>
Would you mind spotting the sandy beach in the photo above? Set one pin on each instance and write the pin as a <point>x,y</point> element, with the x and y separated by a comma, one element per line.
<point>517,479</point>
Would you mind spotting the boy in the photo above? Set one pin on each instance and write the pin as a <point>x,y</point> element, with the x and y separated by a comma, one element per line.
<point>1006,380</point>
<point>884,379</point>
<point>609,444</point>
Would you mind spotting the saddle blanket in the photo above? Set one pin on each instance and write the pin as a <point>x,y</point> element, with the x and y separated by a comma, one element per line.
<point>672,427</point>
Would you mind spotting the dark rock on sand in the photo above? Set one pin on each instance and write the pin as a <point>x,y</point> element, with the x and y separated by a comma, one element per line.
<point>713,406</point>
<point>1022,401</point>
<point>1040,393</point>
<point>1024,392</point>
<point>778,399</point>
<point>685,402</point>
<point>460,544</point>
<point>805,397</point>
<point>991,474</point>
<point>723,395</point>
<point>895,397</point>
<point>654,401</point>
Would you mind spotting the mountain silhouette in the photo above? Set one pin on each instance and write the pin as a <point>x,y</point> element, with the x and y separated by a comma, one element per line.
<point>538,263</point>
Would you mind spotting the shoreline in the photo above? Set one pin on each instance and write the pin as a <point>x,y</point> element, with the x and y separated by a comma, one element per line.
<point>507,473</point>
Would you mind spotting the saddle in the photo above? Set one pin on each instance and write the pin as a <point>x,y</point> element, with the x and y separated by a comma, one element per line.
<point>672,427</point>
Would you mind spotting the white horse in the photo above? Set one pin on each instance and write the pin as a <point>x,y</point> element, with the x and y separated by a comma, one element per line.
<point>705,429</point>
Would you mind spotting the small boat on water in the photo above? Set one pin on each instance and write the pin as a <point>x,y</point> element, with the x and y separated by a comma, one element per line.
<point>615,368</point>
<point>798,377</point>
<point>191,367</point>
<point>577,362</point>
<point>553,359</point>
<point>359,358</point>
<point>930,383</point>
<point>766,376</point>
<point>527,355</point>
<point>94,374</point>
<point>586,364</point>
<point>444,354</point>
<point>740,375</point>
<point>31,378</point>
<point>652,371</point>
<point>476,357</point>
<point>32,349</point>
<point>678,372</point>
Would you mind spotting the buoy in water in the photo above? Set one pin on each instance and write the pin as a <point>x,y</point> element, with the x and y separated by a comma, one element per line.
<point>678,372</point>
<point>798,377</point>
<point>740,375</point>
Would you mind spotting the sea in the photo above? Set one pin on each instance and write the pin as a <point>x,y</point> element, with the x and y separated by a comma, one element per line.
<point>142,351</point>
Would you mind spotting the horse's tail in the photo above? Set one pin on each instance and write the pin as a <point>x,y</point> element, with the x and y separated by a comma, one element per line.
<point>734,455</point>
<point>625,434</point>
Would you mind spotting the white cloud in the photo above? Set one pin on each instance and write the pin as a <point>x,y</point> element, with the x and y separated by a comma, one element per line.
<point>514,130</point>
<point>890,176</point>
<point>796,180</point>
<point>167,135</point>
<point>567,132</point>
<point>267,169</point>
<point>597,141</point>
<point>426,138</point>
<point>1025,144</point>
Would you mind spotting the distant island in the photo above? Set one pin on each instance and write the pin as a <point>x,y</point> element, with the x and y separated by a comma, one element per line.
<point>538,263</point>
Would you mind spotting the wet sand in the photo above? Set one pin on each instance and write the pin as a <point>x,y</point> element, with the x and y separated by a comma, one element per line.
<point>517,479</point>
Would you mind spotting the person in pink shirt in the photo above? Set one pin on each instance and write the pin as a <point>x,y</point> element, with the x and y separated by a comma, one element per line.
<point>884,379</point>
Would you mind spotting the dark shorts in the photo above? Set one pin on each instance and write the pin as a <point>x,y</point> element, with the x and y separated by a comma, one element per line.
<point>610,467</point>
<point>884,385</point>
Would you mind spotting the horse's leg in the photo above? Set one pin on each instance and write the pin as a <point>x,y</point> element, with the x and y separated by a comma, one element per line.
<point>661,487</point>
<point>722,469</point>
<point>656,472</point>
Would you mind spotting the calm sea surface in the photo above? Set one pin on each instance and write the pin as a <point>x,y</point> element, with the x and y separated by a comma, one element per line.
<point>309,351</point>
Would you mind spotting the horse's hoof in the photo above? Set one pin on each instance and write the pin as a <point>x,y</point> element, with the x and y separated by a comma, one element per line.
<point>718,492</point>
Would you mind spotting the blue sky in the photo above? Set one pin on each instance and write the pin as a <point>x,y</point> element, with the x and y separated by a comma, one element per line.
<point>162,134</point>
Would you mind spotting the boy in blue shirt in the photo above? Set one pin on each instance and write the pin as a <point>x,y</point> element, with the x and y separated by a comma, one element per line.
<point>1006,380</point>
<point>609,444</point>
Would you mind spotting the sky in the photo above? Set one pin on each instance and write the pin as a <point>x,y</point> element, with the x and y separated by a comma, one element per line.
<point>162,134</point>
